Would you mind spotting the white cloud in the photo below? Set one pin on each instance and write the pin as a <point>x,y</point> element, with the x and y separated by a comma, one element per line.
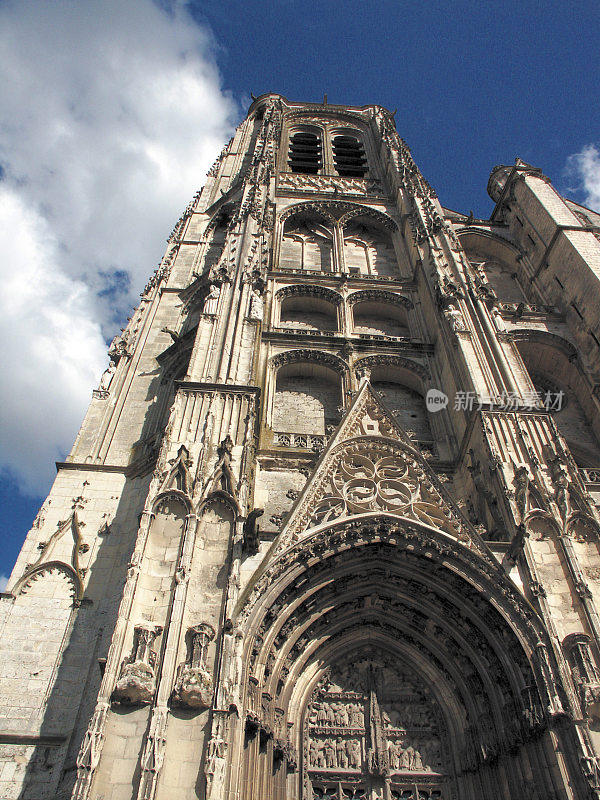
<point>111,113</point>
<point>585,168</point>
<point>3,582</point>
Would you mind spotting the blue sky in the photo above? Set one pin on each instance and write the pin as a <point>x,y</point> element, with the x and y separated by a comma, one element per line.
<point>111,128</point>
<point>475,83</point>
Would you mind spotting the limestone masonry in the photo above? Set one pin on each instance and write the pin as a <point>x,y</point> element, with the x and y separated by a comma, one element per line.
<point>330,527</point>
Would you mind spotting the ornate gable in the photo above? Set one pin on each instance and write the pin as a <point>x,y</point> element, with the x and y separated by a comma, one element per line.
<point>59,554</point>
<point>372,466</point>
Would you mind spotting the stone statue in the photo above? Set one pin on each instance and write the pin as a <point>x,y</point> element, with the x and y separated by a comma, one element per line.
<point>417,763</point>
<point>357,717</point>
<point>212,299</point>
<point>256,306</point>
<point>521,484</point>
<point>455,318</point>
<point>312,753</point>
<point>119,347</point>
<point>329,715</point>
<point>107,377</point>
<point>393,754</point>
<point>404,759</point>
<point>317,753</point>
<point>215,764</point>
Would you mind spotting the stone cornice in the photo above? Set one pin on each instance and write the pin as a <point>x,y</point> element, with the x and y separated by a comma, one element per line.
<point>316,338</point>
<point>226,388</point>
<point>84,467</point>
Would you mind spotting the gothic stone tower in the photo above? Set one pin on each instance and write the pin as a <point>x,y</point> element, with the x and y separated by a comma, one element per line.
<point>269,569</point>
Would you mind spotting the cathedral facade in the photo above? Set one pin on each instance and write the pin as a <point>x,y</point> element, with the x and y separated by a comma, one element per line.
<point>330,527</point>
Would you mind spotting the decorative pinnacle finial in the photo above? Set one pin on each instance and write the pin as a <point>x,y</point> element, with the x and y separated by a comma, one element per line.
<point>324,99</point>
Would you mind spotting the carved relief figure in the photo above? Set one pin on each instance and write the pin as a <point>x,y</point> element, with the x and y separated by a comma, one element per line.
<point>354,754</point>
<point>342,755</point>
<point>357,716</point>
<point>330,759</point>
<point>317,753</point>
<point>322,714</point>
<point>400,715</point>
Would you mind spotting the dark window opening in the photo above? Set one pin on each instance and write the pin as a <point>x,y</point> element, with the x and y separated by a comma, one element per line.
<point>305,153</point>
<point>349,157</point>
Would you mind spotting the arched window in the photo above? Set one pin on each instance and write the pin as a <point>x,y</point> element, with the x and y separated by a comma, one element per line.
<point>402,392</point>
<point>307,244</point>
<point>569,417</point>
<point>376,317</point>
<point>216,242</point>
<point>368,248</point>
<point>349,156</point>
<point>308,313</point>
<point>502,279</point>
<point>307,398</point>
<point>36,630</point>
<point>408,405</point>
<point>566,395</point>
<point>496,263</point>
<point>305,155</point>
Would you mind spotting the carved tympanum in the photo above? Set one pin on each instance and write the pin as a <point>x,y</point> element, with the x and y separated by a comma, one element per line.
<point>371,718</point>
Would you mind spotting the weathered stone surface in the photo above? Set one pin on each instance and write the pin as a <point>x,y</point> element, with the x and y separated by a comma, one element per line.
<point>194,688</point>
<point>135,686</point>
<point>330,527</point>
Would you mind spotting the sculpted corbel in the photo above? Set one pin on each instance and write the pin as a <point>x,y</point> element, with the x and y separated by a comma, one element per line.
<point>194,684</point>
<point>136,682</point>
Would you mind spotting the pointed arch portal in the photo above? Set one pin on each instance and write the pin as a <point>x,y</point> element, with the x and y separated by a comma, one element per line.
<point>387,655</point>
<point>382,661</point>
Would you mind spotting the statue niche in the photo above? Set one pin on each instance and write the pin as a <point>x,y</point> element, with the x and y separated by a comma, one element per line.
<point>371,719</point>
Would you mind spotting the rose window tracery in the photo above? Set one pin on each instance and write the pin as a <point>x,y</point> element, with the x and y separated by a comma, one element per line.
<point>371,721</point>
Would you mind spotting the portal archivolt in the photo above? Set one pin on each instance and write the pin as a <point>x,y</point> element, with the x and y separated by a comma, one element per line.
<point>378,667</point>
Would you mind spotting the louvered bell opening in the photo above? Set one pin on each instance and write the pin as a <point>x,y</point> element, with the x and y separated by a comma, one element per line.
<point>305,153</point>
<point>349,157</point>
